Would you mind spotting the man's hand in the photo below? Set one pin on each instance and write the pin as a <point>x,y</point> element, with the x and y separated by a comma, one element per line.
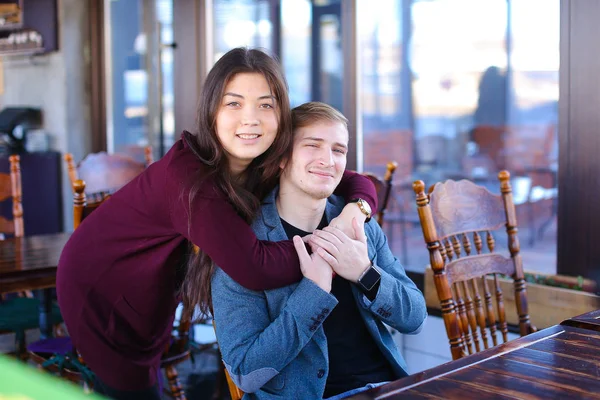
<point>348,257</point>
<point>313,266</point>
<point>344,221</point>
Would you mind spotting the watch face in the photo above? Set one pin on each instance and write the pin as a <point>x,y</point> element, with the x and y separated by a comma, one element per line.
<point>366,206</point>
<point>370,278</point>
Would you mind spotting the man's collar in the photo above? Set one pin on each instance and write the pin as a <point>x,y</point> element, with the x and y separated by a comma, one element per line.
<point>270,215</point>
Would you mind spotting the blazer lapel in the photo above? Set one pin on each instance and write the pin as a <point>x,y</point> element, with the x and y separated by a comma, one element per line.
<point>271,223</point>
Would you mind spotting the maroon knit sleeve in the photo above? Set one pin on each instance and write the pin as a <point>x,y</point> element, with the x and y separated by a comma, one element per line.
<point>212,224</point>
<point>231,243</point>
<point>355,185</point>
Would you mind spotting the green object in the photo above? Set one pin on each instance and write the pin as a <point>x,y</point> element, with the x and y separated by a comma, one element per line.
<point>70,361</point>
<point>23,382</point>
<point>23,313</point>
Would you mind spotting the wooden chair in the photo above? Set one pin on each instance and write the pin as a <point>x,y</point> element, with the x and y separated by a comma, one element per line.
<point>234,392</point>
<point>58,355</point>
<point>106,173</point>
<point>81,206</point>
<point>176,351</point>
<point>451,214</point>
<point>18,314</point>
<point>402,212</point>
<point>383,189</point>
<point>10,188</point>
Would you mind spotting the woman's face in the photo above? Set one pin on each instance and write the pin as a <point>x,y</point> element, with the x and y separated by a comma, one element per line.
<point>247,119</point>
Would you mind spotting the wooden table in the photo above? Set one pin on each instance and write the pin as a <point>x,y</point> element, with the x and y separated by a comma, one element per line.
<point>589,320</point>
<point>560,362</point>
<point>30,263</point>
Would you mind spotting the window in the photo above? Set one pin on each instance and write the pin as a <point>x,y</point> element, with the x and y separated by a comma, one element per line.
<point>241,23</point>
<point>139,89</point>
<point>455,89</point>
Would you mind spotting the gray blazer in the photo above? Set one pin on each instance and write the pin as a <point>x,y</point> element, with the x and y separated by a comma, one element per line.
<point>273,343</point>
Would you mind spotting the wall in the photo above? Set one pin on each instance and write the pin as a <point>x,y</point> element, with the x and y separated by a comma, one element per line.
<point>59,84</point>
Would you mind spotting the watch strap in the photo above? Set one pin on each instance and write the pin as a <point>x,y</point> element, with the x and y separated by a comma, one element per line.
<point>359,202</point>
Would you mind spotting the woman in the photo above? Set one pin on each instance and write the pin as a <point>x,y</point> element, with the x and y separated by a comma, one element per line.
<point>120,276</point>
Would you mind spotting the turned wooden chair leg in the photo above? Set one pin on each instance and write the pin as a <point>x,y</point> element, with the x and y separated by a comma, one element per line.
<point>22,353</point>
<point>175,388</point>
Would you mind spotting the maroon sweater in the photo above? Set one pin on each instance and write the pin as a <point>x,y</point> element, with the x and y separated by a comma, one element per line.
<point>116,278</point>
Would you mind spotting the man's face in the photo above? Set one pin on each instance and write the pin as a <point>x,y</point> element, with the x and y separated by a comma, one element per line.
<point>318,158</point>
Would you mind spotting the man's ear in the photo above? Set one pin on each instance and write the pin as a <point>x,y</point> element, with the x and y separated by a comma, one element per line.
<point>283,163</point>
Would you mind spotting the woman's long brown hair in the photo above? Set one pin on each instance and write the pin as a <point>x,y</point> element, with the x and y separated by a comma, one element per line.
<point>260,176</point>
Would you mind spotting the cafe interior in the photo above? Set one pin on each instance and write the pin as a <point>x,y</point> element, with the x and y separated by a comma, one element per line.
<point>475,119</point>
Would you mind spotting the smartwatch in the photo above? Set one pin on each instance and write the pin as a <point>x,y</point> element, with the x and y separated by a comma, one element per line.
<point>369,278</point>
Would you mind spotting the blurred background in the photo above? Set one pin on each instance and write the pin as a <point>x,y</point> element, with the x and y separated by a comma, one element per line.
<point>446,88</point>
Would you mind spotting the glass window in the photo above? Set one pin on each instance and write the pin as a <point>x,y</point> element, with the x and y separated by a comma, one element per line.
<point>312,50</point>
<point>449,62</point>
<point>530,142</point>
<point>139,90</point>
<point>164,15</point>
<point>241,23</point>
<point>454,89</point>
<point>296,22</point>
<point>128,89</point>
<point>327,58</point>
<point>385,91</point>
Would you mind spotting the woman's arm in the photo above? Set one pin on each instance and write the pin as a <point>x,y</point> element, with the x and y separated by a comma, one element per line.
<point>397,292</point>
<point>352,186</point>
<point>230,242</point>
<point>355,185</point>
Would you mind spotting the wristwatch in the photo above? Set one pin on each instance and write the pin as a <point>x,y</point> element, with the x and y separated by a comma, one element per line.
<point>364,207</point>
<point>369,278</point>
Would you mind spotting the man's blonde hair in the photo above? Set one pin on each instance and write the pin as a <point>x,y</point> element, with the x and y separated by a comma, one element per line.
<point>315,111</point>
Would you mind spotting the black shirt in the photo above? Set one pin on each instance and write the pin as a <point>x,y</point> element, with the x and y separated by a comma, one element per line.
<point>354,358</point>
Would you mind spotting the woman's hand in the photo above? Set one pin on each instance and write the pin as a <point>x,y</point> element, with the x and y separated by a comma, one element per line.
<point>313,266</point>
<point>343,221</point>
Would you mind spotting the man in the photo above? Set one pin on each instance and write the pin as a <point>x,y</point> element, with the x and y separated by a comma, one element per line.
<point>324,336</point>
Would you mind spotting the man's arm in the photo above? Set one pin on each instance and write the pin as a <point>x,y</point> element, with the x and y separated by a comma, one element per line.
<point>398,302</point>
<point>254,348</point>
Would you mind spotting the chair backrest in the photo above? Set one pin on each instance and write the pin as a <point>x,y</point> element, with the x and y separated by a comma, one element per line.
<point>383,189</point>
<point>235,392</point>
<point>451,215</point>
<point>10,188</point>
<point>81,206</point>
<point>104,172</point>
